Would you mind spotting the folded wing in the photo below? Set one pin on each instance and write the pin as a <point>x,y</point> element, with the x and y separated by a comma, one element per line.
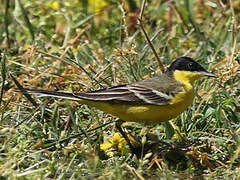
<point>133,94</point>
<point>130,94</point>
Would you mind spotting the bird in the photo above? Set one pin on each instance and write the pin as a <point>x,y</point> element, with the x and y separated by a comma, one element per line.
<point>151,101</point>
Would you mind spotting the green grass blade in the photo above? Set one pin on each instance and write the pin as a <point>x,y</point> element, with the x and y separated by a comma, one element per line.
<point>190,7</point>
<point>23,91</point>
<point>80,23</point>
<point>3,73</point>
<point>76,135</point>
<point>26,19</point>
<point>6,22</point>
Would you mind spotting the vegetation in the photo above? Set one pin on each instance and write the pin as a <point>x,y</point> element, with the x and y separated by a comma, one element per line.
<point>86,45</point>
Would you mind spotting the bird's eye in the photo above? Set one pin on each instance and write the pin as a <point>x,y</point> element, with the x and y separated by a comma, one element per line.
<point>190,65</point>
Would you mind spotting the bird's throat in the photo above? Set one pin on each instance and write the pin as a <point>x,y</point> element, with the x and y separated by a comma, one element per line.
<point>186,77</point>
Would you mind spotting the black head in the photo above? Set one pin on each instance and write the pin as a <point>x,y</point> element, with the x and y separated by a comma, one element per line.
<point>188,64</point>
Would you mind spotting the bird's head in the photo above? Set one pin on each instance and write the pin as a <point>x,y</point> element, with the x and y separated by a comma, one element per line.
<point>186,69</point>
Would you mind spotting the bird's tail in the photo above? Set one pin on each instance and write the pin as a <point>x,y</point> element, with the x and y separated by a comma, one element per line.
<point>46,93</point>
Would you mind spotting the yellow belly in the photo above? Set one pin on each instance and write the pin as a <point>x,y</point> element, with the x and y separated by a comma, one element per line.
<point>149,114</point>
<point>152,114</point>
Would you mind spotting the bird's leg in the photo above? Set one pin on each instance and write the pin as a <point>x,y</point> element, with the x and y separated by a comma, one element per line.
<point>125,136</point>
<point>144,132</point>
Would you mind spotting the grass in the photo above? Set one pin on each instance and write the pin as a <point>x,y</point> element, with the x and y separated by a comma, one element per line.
<point>80,46</point>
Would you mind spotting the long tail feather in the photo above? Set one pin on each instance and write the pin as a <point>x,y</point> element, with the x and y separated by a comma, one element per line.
<point>46,93</point>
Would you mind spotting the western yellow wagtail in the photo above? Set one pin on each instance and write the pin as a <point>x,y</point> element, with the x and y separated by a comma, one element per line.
<point>150,101</point>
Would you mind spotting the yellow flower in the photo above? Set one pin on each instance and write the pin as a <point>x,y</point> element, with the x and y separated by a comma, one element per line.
<point>55,5</point>
<point>115,146</point>
<point>97,5</point>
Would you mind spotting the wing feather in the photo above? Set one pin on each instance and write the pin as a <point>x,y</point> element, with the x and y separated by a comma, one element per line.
<point>134,94</point>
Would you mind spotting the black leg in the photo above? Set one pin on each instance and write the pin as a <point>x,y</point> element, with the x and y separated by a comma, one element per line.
<point>123,133</point>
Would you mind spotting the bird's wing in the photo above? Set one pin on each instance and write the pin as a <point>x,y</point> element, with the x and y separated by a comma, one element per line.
<point>133,93</point>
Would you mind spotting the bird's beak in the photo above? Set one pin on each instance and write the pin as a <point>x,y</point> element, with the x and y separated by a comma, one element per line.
<point>206,73</point>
